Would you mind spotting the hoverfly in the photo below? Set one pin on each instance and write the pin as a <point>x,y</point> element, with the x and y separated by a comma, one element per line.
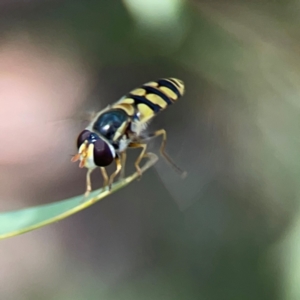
<point>122,125</point>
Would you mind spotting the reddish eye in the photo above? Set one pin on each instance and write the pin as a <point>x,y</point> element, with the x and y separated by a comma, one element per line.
<point>83,136</point>
<point>103,155</point>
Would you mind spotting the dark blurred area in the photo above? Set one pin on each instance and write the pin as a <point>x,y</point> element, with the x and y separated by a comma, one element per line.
<point>230,230</point>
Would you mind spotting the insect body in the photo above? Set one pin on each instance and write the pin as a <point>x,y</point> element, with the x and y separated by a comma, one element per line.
<point>121,126</point>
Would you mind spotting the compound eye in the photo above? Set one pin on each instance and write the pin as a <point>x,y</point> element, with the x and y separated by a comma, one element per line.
<point>103,155</point>
<point>83,136</point>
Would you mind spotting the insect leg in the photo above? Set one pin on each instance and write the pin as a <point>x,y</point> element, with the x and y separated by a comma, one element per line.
<point>118,169</point>
<point>162,150</point>
<point>142,154</point>
<point>123,162</point>
<point>105,176</point>
<point>88,182</point>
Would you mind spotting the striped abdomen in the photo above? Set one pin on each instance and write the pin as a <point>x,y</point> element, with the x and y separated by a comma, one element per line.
<point>145,102</point>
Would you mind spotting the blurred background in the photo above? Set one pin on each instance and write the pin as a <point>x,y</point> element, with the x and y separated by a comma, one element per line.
<point>230,230</point>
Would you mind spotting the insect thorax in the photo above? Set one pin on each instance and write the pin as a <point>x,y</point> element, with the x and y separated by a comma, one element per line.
<point>112,124</point>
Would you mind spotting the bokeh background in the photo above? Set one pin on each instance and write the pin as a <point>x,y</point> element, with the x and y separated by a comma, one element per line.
<point>230,230</point>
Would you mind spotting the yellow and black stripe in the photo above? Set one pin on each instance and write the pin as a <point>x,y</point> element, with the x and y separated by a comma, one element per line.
<point>145,102</point>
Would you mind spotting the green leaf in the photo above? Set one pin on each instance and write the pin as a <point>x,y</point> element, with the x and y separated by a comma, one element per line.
<point>20,221</point>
